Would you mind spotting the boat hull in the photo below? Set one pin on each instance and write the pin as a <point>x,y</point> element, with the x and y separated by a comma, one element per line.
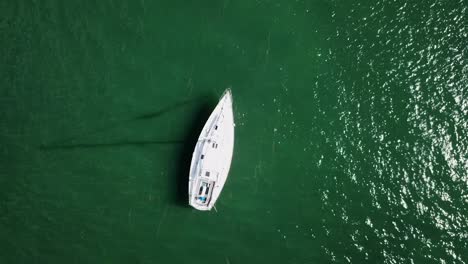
<point>211,159</point>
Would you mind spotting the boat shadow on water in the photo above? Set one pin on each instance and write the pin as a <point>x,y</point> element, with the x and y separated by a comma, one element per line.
<point>185,155</point>
<point>195,123</point>
<point>70,142</point>
<point>121,143</point>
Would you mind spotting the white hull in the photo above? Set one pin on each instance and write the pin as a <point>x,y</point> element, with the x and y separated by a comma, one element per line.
<point>212,156</point>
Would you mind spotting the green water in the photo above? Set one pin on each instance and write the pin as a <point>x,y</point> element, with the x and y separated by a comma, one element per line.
<point>351,137</point>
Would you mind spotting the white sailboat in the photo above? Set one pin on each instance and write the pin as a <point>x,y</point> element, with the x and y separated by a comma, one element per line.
<point>212,156</point>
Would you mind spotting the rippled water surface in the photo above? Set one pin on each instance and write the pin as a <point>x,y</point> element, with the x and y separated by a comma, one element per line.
<point>351,131</point>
